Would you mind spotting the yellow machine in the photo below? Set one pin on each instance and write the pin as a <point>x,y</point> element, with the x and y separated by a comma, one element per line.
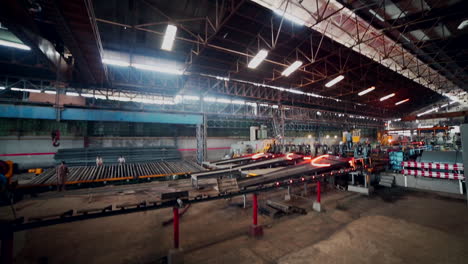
<point>36,171</point>
<point>6,168</point>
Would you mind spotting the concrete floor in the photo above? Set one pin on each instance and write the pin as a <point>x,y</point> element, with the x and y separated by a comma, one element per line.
<point>388,227</point>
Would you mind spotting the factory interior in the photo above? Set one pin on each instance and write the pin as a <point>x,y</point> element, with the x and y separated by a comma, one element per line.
<point>233,131</point>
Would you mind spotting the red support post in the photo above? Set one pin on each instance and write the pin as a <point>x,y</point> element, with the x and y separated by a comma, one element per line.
<point>6,254</point>
<point>255,209</point>
<point>255,230</point>
<point>318,192</point>
<point>175,210</point>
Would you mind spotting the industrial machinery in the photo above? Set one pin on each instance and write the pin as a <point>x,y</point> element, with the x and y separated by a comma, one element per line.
<point>259,160</point>
<point>301,166</point>
<point>98,175</point>
<point>6,168</point>
<point>314,167</point>
<point>148,163</point>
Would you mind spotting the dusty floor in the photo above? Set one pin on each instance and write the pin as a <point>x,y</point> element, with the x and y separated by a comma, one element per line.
<point>388,227</point>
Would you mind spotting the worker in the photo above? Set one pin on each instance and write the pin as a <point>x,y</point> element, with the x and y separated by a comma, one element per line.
<point>62,172</point>
<point>99,161</point>
<point>121,160</point>
<point>349,139</point>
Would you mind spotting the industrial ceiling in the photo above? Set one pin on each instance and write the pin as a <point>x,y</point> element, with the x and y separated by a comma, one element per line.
<point>412,49</point>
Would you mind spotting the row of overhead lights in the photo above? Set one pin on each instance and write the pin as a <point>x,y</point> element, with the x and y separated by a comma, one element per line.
<point>261,56</point>
<point>436,109</point>
<point>168,42</point>
<point>370,89</point>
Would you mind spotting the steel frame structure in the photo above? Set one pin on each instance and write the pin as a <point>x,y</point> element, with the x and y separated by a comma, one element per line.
<point>253,110</point>
<point>341,24</point>
<point>314,73</point>
<point>324,58</point>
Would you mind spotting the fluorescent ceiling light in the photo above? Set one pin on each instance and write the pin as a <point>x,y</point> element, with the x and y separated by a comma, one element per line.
<point>444,105</point>
<point>169,37</point>
<point>156,68</point>
<point>72,94</point>
<point>2,87</point>
<point>116,62</point>
<point>222,78</point>
<point>12,44</point>
<point>119,98</point>
<point>221,100</point>
<point>191,97</point>
<point>88,95</point>
<point>31,90</point>
<point>428,111</point>
<point>291,68</point>
<point>402,101</point>
<point>379,17</point>
<point>50,92</point>
<point>387,96</point>
<point>463,25</point>
<point>295,91</point>
<point>239,102</point>
<point>334,81</point>
<point>289,17</point>
<point>209,99</point>
<point>25,90</point>
<point>261,55</point>
<point>368,90</point>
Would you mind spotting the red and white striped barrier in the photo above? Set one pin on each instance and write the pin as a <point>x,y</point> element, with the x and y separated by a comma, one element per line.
<point>431,165</point>
<point>434,174</point>
<point>450,171</point>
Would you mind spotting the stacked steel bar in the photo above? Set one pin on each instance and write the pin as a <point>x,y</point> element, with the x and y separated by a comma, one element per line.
<point>119,172</point>
<point>87,156</point>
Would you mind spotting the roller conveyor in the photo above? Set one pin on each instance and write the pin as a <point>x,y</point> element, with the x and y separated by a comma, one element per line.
<point>234,160</point>
<point>304,168</point>
<point>254,165</point>
<point>106,173</point>
<point>318,165</point>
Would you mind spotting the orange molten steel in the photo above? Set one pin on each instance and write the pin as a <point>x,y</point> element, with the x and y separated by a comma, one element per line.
<point>315,160</point>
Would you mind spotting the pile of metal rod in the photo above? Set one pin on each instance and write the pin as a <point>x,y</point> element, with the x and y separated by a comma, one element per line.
<point>119,172</point>
<point>87,156</point>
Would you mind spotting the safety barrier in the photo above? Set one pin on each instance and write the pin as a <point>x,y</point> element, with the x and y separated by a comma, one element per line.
<point>450,171</point>
<point>434,174</point>
<point>431,165</point>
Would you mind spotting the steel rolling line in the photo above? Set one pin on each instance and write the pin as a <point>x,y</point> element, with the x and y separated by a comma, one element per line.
<point>21,223</point>
<point>234,160</point>
<point>283,160</point>
<point>87,156</point>
<point>324,164</point>
<point>116,172</point>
